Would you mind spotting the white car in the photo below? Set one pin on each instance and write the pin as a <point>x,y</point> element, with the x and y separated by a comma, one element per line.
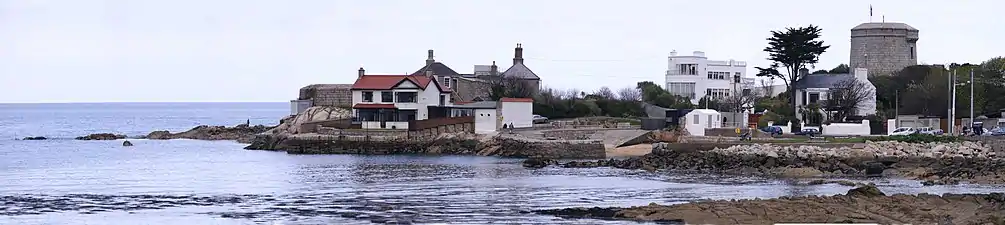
<point>903,131</point>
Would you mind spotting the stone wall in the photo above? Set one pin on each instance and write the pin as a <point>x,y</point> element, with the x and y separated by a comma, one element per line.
<point>568,134</point>
<point>552,149</point>
<point>338,95</point>
<point>883,51</point>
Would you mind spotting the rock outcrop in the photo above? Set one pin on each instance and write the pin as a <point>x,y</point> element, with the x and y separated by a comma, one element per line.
<point>37,138</point>
<point>127,144</point>
<point>242,133</point>
<point>102,136</point>
<point>860,205</point>
<point>949,163</point>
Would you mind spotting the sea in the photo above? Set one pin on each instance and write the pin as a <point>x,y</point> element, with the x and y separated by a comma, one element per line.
<point>65,181</point>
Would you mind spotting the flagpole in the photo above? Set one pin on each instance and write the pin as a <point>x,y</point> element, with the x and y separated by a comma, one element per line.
<point>870,13</point>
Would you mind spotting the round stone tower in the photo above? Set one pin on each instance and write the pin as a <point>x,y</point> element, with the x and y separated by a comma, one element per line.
<point>883,48</point>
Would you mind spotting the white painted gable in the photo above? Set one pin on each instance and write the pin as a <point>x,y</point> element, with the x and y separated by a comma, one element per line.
<point>407,84</point>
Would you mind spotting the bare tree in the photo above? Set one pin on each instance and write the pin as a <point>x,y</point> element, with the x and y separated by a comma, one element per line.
<point>845,98</point>
<point>737,102</point>
<point>510,87</point>
<point>629,94</point>
<point>604,93</point>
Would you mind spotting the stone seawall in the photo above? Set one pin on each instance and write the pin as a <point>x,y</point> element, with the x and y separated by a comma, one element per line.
<point>552,149</point>
<point>441,145</point>
<point>936,163</point>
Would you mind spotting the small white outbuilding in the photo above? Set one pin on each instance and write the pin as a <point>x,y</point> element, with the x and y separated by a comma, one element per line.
<point>698,120</point>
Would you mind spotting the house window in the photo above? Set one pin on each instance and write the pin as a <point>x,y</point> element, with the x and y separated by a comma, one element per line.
<point>446,81</point>
<point>912,52</point>
<point>695,119</point>
<point>681,89</point>
<point>386,96</point>
<point>814,97</point>
<point>406,97</point>
<point>367,96</point>
<point>443,99</point>
<point>687,69</point>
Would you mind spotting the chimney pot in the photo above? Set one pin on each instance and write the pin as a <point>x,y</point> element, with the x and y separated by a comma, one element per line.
<point>361,72</point>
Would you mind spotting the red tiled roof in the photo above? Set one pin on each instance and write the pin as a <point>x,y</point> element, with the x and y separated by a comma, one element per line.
<point>373,106</point>
<point>516,100</point>
<point>388,82</point>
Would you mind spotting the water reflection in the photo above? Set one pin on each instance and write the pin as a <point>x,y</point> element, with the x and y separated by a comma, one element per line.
<point>199,182</point>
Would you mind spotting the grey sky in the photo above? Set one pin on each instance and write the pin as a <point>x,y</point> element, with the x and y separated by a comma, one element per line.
<point>247,50</point>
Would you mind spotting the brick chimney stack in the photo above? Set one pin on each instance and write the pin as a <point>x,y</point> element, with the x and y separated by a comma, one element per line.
<point>429,58</point>
<point>518,54</point>
<point>361,72</point>
<point>494,69</point>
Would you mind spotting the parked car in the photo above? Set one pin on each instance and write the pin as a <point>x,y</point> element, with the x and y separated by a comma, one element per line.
<point>808,132</point>
<point>997,131</point>
<point>772,130</point>
<point>928,131</point>
<point>903,131</point>
<point>540,119</point>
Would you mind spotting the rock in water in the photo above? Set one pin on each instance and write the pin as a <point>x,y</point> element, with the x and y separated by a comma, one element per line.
<point>537,163</point>
<point>102,136</point>
<point>38,138</point>
<point>127,143</point>
<point>866,191</point>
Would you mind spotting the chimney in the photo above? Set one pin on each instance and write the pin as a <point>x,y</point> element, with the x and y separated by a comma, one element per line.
<point>673,53</point>
<point>862,74</point>
<point>429,72</point>
<point>518,54</point>
<point>429,57</point>
<point>361,72</point>
<point>495,69</point>
<point>804,72</point>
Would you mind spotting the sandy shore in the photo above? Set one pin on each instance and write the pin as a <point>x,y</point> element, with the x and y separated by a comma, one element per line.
<point>630,151</point>
<point>860,205</point>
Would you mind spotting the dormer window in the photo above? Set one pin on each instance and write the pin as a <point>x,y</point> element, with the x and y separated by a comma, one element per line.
<point>446,81</point>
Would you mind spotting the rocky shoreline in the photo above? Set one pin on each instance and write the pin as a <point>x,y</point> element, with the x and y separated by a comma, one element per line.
<point>934,163</point>
<point>865,204</point>
<point>242,133</point>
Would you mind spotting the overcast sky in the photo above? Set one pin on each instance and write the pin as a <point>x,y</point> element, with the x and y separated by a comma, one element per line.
<point>251,50</point>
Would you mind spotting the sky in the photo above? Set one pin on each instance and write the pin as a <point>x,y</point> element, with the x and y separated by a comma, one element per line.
<point>264,51</point>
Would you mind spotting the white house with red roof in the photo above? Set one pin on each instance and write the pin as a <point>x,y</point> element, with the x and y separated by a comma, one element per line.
<point>390,101</point>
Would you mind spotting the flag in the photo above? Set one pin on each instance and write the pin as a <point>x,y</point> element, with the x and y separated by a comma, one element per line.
<point>870,10</point>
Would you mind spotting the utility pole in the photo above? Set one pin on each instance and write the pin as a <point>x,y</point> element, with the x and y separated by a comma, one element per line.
<point>949,113</point>
<point>896,108</point>
<point>952,108</point>
<point>972,83</point>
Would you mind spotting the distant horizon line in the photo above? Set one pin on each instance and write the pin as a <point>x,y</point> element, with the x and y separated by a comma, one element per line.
<point>12,103</point>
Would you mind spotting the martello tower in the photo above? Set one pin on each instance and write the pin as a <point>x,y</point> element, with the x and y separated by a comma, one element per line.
<point>883,48</point>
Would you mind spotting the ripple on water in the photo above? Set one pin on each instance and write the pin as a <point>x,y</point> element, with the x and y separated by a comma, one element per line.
<point>193,182</point>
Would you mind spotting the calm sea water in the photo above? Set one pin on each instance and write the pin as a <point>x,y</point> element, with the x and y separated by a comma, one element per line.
<point>64,181</point>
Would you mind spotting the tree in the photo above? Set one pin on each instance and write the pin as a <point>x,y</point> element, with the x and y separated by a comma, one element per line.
<point>842,68</point>
<point>604,93</point>
<point>846,97</point>
<point>793,49</point>
<point>509,87</point>
<point>629,94</point>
